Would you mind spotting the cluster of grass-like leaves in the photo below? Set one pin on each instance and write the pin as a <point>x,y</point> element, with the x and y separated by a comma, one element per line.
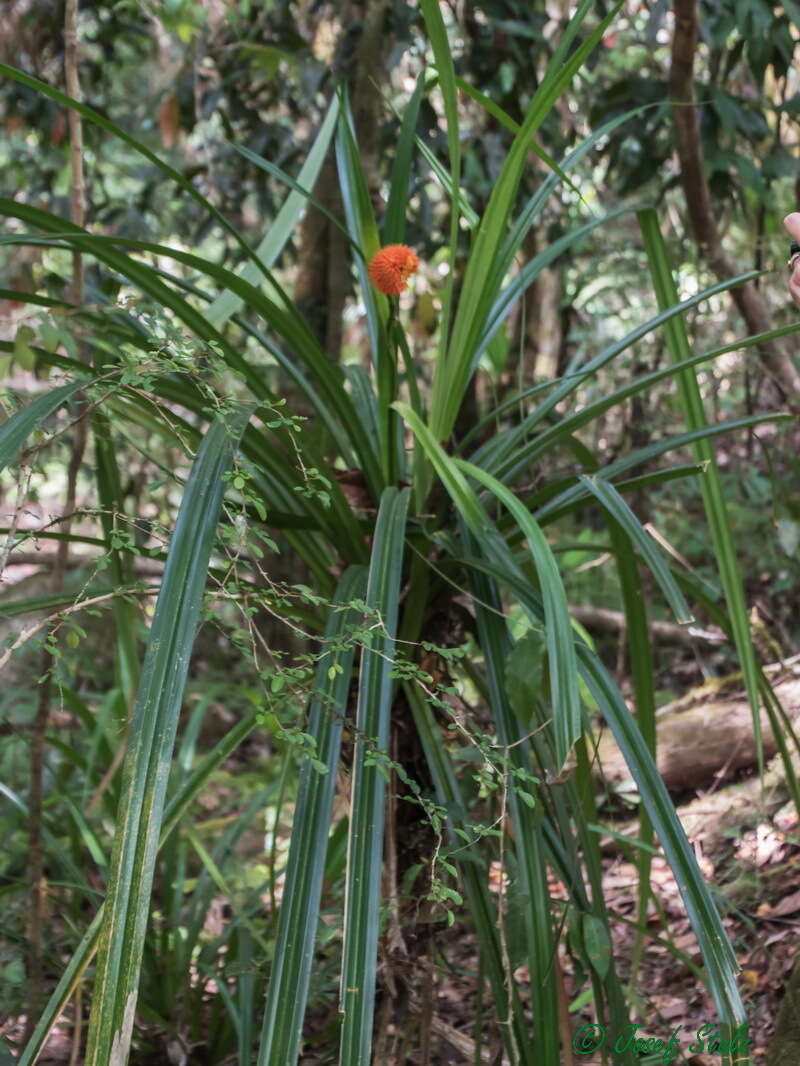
<point>195,364</point>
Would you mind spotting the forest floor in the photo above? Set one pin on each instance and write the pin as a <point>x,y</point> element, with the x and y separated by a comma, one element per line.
<point>757,874</point>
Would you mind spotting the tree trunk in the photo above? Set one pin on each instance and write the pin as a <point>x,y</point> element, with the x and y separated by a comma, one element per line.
<point>323,278</point>
<point>751,304</point>
<point>321,284</point>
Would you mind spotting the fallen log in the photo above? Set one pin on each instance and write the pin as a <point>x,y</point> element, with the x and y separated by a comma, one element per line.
<point>739,805</point>
<point>707,735</point>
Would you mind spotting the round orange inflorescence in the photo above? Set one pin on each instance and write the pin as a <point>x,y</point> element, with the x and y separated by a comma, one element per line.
<point>391,267</point>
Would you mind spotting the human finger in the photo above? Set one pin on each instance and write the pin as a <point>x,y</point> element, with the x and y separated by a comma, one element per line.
<point>792,223</point>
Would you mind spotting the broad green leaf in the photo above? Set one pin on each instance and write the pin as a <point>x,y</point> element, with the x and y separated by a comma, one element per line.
<point>23,353</point>
<point>524,674</point>
<point>597,943</point>
<point>788,535</point>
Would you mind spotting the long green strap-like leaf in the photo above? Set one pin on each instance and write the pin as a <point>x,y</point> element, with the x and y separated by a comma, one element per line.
<point>614,504</point>
<point>558,626</point>
<point>150,743</point>
<point>515,450</point>
<point>480,286</point>
<point>364,233</point>
<point>299,915</point>
<point>99,120</point>
<point>365,843</point>
<point>640,658</point>
<point>473,869</point>
<point>475,879</point>
<point>561,654</point>
<point>550,436</point>
<point>512,126</point>
<point>394,221</point>
<point>646,454</point>
<point>434,23</point>
<point>511,294</point>
<point>718,955</point>
<point>121,572</point>
<point>361,224</point>
<point>149,281</point>
<point>16,430</point>
<point>710,484</point>
<point>534,901</point>
<point>274,240</point>
<point>288,323</point>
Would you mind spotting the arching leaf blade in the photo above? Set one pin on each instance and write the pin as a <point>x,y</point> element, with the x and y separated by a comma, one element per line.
<point>149,749</point>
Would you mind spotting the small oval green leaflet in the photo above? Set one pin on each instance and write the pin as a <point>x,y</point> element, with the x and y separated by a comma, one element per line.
<point>24,355</point>
<point>597,944</point>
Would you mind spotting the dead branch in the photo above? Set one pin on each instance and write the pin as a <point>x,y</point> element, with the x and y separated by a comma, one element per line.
<point>30,631</point>
<point>601,620</point>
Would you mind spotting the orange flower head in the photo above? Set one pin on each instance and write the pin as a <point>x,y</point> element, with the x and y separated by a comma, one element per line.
<point>391,267</point>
